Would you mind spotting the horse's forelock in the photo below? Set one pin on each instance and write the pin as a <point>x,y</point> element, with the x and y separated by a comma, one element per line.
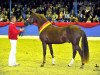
<point>40,16</point>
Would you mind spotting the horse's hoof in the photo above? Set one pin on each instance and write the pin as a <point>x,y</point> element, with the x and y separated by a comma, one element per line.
<point>42,65</point>
<point>53,64</point>
<point>69,66</point>
<point>81,67</point>
<point>96,65</point>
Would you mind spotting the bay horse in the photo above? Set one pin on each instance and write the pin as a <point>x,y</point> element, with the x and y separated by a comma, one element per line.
<point>50,34</point>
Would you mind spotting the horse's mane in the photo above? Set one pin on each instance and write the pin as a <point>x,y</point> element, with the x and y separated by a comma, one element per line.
<point>43,17</point>
<point>35,14</point>
<point>40,16</point>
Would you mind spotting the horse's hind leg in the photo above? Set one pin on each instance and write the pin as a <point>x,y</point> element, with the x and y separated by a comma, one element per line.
<point>73,57</point>
<point>51,51</point>
<point>77,47</point>
<point>44,54</point>
<point>82,59</point>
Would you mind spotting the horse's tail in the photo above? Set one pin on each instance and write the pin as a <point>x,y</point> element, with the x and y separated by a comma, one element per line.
<point>85,48</point>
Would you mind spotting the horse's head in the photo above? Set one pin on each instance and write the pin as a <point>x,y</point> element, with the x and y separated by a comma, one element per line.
<point>31,19</point>
<point>40,19</point>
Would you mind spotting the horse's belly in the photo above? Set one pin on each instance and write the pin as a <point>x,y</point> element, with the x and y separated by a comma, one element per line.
<point>58,40</point>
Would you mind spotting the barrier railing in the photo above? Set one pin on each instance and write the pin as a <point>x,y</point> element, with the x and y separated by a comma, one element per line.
<point>83,24</point>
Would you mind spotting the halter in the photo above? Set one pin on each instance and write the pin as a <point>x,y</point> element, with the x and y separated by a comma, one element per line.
<point>46,24</point>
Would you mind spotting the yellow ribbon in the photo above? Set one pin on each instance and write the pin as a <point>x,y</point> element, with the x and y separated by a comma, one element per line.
<point>46,24</point>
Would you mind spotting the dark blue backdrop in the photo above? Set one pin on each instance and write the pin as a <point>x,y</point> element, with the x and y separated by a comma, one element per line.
<point>33,30</point>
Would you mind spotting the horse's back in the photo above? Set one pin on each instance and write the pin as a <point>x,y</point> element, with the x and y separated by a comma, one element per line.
<point>73,29</point>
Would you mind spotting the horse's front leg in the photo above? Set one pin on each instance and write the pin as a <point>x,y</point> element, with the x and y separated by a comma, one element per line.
<point>51,51</point>
<point>44,54</point>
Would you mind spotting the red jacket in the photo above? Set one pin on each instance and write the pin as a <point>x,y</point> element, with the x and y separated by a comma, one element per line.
<point>13,31</point>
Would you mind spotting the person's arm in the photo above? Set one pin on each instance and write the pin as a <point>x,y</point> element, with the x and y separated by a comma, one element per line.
<point>15,30</point>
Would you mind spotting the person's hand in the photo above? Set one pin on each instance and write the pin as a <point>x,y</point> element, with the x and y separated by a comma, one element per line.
<point>21,29</point>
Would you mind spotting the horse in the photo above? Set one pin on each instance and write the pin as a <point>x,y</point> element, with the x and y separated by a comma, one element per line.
<point>50,34</point>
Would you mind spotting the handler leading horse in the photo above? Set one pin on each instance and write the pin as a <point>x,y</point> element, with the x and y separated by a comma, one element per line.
<point>50,34</point>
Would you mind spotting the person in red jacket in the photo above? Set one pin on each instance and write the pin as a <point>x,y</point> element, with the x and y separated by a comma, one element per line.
<point>13,33</point>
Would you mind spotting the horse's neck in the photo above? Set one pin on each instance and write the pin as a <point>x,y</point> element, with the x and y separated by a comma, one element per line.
<point>41,22</point>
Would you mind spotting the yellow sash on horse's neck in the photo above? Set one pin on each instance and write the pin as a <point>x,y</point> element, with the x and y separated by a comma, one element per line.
<point>46,24</point>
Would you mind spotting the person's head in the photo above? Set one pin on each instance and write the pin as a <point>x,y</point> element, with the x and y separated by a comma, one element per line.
<point>13,18</point>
